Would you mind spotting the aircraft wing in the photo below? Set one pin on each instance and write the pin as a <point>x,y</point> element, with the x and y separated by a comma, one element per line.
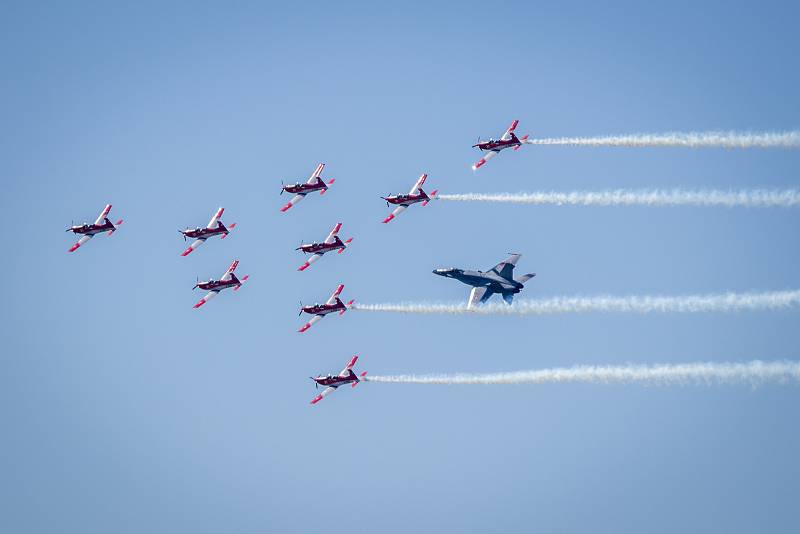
<point>335,294</point>
<point>395,213</point>
<point>213,222</point>
<point>325,392</point>
<point>332,236</point>
<point>295,199</point>
<point>80,242</point>
<point>478,295</point>
<point>208,296</point>
<point>507,135</point>
<point>506,267</point>
<point>418,184</point>
<point>489,155</point>
<point>103,214</point>
<point>316,173</point>
<point>227,276</point>
<point>196,243</point>
<point>349,366</point>
<point>312,321</point>
<point>309,261</point>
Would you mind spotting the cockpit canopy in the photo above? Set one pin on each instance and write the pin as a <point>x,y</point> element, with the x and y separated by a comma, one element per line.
<point>447,271</point>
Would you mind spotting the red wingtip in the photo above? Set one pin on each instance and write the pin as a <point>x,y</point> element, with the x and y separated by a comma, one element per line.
<point>363,374</point>
<point>187,251</point>
<point>478,164</point>
<point>118,222</point>
<point>199,304</point>
<point>330,182</point>
<point>322,192</point>
<point>245,278</point>
<point>316,399</point>
<point>303,267</point>
<point>349,241</point>
<point>389,218</point>
<point>74,247</point>
<point>286,207</point>
<point>305,327</point>
<point>232,226</point>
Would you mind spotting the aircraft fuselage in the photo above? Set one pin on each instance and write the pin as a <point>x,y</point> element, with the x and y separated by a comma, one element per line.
<point>91,229</point>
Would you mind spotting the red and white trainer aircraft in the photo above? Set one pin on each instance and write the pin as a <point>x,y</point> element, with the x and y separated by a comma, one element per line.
<point>347,376</point>
<point>214,227</point>
<point>508,140</point>
<point>213,287</point>
<point>332,242</point>
<point>403,201</point>
<point>333,304</point>
<point>88,231</point>
<point>314,183</point>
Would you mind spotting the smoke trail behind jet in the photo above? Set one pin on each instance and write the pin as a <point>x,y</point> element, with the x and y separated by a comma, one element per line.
<point>721,302</point>
<point>753,198</point>
<point>747,373</point>
<point>790,139</point>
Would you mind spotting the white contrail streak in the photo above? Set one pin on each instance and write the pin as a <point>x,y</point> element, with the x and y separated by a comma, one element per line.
<point>748,373</point>
<point>752,198</point>
<point>722,302</point>
<point>790,139</point>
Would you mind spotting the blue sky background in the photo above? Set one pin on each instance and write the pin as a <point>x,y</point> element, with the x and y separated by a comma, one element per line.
<point>125,410</point>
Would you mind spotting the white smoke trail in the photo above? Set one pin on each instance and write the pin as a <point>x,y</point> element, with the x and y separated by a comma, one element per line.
<point>790,139</point>
<point>753,198</point>
<point>722,302</point>
<point>748,373</point>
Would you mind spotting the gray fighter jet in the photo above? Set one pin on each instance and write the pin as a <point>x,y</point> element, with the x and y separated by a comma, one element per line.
<point>500,279</point>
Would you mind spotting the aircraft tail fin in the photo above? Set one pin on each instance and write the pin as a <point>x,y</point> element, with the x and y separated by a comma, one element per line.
<point>115,225</point>
<point>508,297</point>
<point>521,140</point>
<point>524,278</point>
<point>430,197</point>
<point>227,230</point>
<point>346,306</point>
<point>360,378</point>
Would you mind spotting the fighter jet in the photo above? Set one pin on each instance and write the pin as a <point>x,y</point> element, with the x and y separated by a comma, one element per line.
<point>499,279</point>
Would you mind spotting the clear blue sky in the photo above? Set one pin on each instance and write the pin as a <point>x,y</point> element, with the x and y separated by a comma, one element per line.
<point>125,410</point>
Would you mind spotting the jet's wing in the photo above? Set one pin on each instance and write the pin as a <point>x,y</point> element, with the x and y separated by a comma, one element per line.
<point>489,155</point>
<point>349,366</point>
<point>507,135</point>
<point>479,295</point>
<point>196,243</point>
<point>213,222</point>
<point>418,184</point>
<point>80,242</point>
<point>332,236</point>
<point>395,213</point>
<point>295,199</point>
<point>316,173</point>
<point>103,214</point>
<point>210,295</point>
<point>335,294</point>
<point>309,261</point>
<point>325,392</point>
<point>227,276</point>
<point>506,267</point>
<point>312,321</point>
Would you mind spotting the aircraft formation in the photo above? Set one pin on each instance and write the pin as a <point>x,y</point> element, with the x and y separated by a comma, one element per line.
<point>499,279</point>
